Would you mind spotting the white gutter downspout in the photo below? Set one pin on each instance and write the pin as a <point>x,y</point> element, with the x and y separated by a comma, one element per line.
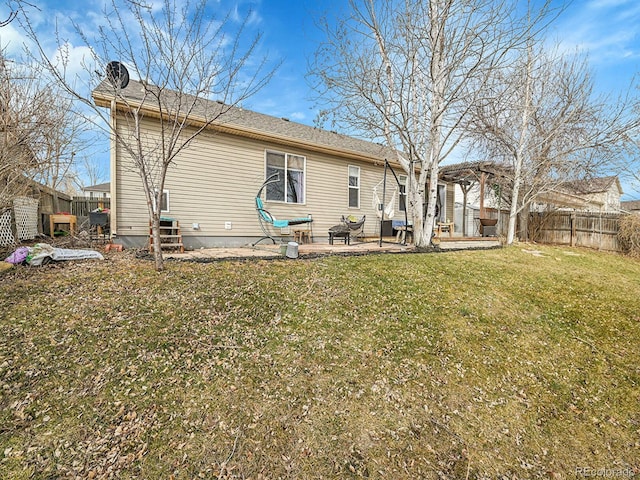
<point>112,171</point>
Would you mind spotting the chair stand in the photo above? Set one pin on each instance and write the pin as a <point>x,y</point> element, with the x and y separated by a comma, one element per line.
<point>268,237</point>
<point>302,236</point>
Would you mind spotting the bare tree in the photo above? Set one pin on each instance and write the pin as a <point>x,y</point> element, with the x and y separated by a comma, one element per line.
<point>93,172</point>
<point>64,138</point>
<point>16,158</point>
<point>627,163</point>
<point>180,57</point>
<point>539,116</point>
<point>34,121</point>
<point>407,73</point>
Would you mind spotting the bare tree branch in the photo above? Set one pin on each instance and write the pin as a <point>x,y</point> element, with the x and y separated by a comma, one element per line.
<point>178,56</point>
<point>38,135</point>
<point>541,117</point>
<point>408,73</point>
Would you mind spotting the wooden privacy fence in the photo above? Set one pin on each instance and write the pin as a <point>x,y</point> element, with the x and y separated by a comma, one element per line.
<point>81,206</point>
<point>577,229</point>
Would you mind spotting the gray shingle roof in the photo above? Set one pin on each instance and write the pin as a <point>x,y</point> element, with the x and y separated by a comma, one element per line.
<point>100,187</point>
<point>253,124</point>
<point>590,185</point>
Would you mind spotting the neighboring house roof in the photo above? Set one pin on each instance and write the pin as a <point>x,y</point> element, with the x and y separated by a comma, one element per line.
<point>578,194</point>
<point>100,187</point>
<point>630,205</point>
<point>569,200</point>
<point>584,193</point>
<point>246,123</point>
<point>592,185</point>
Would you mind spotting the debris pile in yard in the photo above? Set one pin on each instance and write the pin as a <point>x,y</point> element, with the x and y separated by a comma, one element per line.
<point>43,253</point>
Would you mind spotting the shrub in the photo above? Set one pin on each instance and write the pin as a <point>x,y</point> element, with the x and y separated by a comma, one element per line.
<point>629,235</point>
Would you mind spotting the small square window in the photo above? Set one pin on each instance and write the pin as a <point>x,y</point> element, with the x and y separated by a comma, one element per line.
<point>164,204</point>
<point>164,201</point>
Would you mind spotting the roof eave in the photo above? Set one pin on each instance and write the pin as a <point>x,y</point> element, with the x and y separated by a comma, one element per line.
<point>103,100</point>
<point>240,131</point>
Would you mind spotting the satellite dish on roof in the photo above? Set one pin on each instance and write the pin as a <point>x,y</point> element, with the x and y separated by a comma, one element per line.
<point>117,74</point>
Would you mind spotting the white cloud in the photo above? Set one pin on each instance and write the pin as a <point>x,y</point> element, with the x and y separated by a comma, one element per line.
<point>604,28</point>
<point>12,41</point>
<point>239,16</point>
<point>76,62</point>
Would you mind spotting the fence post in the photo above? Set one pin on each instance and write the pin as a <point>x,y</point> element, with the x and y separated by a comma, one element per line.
<point>572,223</point>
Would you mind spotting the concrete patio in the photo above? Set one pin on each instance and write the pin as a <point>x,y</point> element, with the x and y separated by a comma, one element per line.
<point>369,246</point>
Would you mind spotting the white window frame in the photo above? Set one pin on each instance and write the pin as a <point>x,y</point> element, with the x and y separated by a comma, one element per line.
<point>404,181</point>
<point>442,217</point>
<point>287,156</point>
<point>165,194</point>
<point>353,187</point>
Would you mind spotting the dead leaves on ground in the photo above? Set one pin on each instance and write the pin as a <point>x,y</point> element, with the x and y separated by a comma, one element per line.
<point>394,367</point>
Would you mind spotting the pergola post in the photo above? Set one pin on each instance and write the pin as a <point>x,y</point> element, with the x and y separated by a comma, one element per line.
<point>465,186</point>
<point>483,178</point>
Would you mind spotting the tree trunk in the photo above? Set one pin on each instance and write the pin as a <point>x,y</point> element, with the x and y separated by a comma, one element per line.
<point>157,242</point>
<point>415,202</point>
<point>432,198</point>
<point>524,223</point>
<point>513,212</point>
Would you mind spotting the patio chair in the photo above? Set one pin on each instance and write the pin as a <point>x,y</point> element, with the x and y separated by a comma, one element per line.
<point>355,226</point>
<point>477,228</point>
<point>402,229</point>
<point>268,223</point>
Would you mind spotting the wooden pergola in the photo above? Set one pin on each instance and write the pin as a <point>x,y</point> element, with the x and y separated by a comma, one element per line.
<point>468,174</point>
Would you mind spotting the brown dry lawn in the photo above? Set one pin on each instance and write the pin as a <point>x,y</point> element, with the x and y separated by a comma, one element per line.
<point>486,364</point>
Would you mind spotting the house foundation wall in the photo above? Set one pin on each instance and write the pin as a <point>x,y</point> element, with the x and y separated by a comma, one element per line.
<point>194,243</point>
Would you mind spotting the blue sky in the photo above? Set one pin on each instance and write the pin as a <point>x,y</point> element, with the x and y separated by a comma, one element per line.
<point>607,29</point>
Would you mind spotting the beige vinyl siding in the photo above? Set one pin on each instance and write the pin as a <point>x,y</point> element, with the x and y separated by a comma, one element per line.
<point>212,182</point>
<point>215,181</point>
<point>450,206</point>
<point>328,192</point>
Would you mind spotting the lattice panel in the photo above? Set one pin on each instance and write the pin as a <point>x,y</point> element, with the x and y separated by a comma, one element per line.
<point>26,212</point>
<point>6,235</point>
